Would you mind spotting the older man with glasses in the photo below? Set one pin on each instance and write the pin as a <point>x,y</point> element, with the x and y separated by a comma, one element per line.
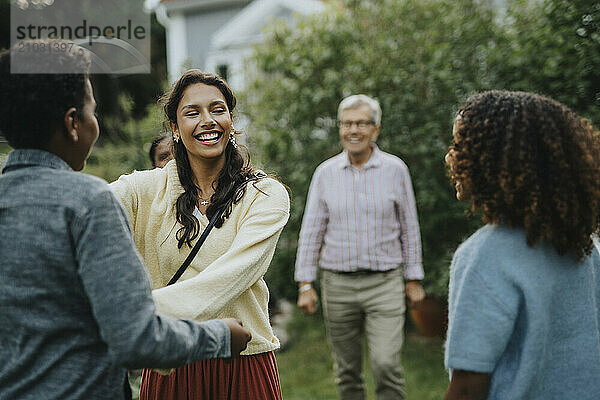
<point>360,227</point>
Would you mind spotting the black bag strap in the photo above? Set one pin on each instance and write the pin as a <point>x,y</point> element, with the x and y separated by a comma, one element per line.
<point>194,251</point>
<point>259,174</point>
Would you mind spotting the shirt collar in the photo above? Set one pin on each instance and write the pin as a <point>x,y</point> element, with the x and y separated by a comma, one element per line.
<point>373,162</point>
<point>22,158</point>
<point>174,186</point>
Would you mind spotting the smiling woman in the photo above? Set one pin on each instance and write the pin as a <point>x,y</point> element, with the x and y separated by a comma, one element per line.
<point>204,124</point>
<point>76,305</point>
<point>169,207</point>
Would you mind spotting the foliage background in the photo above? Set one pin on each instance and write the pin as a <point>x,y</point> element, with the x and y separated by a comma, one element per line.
<point>420,59</point>
<point>136,91</point>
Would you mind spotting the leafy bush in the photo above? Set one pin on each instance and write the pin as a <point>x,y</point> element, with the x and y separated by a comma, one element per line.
<point>112,158</point>
<point>420,59</point>
<point>552,47</point>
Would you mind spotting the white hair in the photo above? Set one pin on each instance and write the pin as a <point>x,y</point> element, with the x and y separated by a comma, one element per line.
<point>358,100</point>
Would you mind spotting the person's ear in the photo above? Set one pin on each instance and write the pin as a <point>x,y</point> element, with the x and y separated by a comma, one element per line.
<point>376,133</point>
<point>71,124</point>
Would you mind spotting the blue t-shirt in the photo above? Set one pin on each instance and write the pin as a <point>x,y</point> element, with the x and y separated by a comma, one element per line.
<point>526,315</point>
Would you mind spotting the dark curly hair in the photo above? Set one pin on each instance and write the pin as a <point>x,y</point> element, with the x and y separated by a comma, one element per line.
<point>528,161</point>
<point>32,106</point>
<point>157,140</point>
<point>230,187</point>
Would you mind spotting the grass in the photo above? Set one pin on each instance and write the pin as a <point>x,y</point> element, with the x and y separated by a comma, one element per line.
<point>306,369</point>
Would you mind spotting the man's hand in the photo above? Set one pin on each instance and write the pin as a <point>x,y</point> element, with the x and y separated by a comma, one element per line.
<point>240,336</point>
<point>307,298</point>
<point>414,292</point>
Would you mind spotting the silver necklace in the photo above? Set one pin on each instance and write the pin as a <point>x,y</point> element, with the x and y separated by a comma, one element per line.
<point>204,202</point>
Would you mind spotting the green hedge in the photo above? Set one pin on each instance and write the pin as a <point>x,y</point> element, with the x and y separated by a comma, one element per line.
<point>420,59</point>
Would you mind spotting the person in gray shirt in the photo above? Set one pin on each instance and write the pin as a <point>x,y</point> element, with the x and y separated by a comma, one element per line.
<point>76,307</point>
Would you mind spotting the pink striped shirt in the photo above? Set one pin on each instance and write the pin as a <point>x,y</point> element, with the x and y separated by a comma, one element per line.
<point>359,219</point>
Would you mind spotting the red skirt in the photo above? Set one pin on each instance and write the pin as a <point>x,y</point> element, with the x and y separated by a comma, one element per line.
<point>253,377</point>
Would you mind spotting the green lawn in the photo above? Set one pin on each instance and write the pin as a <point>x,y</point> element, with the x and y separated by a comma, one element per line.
<point>305,367</point>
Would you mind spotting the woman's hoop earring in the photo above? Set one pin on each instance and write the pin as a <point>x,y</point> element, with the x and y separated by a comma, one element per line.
<point>175,137</point>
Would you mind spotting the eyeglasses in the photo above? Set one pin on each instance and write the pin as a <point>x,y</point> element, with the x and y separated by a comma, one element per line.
<point>362,124</point>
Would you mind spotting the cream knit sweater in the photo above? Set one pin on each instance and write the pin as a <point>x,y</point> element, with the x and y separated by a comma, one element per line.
<point>225,279</point>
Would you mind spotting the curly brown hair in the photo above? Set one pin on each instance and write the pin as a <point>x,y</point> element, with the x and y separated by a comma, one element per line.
<point>529,161</point>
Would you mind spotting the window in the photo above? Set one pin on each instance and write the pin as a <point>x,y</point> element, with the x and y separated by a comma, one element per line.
<point>223,71</point>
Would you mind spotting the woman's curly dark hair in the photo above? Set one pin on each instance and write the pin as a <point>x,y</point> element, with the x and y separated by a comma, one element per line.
<point>528,161</point>
<point>230,187</point>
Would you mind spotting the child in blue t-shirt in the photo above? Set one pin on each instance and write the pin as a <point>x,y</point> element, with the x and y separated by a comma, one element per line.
<point>525,288</point>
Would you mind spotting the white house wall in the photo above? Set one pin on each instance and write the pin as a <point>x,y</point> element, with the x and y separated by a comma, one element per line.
<point>176,46</point>
<point>207,34</point>
<point>235,60</point>
<point>200,29</point>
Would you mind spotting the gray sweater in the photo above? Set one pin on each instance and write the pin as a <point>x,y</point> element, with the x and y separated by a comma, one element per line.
<point>75,300</point>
